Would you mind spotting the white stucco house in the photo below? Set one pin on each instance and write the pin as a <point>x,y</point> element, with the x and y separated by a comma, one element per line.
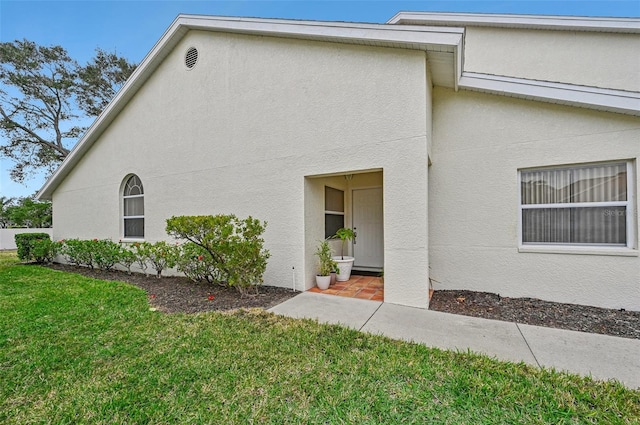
<point>494,153</point>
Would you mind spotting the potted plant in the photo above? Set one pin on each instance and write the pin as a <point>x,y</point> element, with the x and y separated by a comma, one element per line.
<point>345,263</point>
<point>326,265</point>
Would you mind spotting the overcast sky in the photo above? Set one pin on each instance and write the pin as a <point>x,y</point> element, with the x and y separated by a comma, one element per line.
<point>133,27</point>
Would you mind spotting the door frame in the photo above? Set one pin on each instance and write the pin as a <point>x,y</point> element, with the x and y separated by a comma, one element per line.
<point>352,207</point>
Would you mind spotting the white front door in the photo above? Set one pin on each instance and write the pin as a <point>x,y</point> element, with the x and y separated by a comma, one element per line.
<point>368,246</point>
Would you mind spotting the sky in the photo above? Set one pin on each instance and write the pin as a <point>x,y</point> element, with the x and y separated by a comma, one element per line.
<point>132,27</point>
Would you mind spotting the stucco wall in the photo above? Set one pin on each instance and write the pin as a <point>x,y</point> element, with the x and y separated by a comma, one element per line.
<point>480,141</point>
<point>595,59</point>
<point>240,132</point>
<point>7,236</point>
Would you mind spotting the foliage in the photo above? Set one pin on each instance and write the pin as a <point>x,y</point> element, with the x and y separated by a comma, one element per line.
<point>139,252</point>
<point>78,252</point>
<point>327,265</point>
<point>345,234</point>
<point>127,257</point>
<point>77,350</point>
<point>105,253</point>
<point>45,250</point>
<point>161,255</point>
<point>27,212</point>
<point>43,91</point>
<point>196,263</point>
<point>36,247</point>
<point>5,208</point>
<point>234,247</point>
<point>100,79</point>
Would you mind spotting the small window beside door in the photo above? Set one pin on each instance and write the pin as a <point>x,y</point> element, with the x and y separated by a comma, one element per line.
<point>333,211</point>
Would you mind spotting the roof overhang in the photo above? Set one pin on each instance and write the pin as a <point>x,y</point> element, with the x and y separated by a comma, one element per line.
<point>619,101</point>
<point>439,35</point>
<point>424,38</point>
<point>560,23</point>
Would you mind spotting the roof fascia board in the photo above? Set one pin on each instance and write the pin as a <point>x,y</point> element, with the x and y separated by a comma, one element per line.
<point>567,23</point>
<point>325,24</point>
<point>409,37</point>
<point>329,31</point>
<point>588,97</point>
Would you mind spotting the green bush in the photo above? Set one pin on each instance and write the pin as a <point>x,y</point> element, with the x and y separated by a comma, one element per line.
<point>195,262</point>
<point>127,257</point>
<point>105,253</point>
<point>161,255</point>
<point>99,253</point>
<point>45,250</point>
<point>36,247</point>
<point>234,248</point>
<point>78,252</point>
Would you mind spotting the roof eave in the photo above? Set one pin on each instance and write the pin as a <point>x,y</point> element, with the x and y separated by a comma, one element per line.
<point>561,23</point>
<point>407,37</point>
<point>608,100</point>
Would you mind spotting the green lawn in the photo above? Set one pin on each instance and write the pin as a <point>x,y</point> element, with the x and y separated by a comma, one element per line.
<point>76,350</point>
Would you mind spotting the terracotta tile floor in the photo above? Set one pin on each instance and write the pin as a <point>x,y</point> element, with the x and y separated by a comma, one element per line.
<point>364,287</point>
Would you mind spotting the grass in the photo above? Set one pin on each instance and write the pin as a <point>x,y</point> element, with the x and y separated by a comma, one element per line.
<point>75,350</point>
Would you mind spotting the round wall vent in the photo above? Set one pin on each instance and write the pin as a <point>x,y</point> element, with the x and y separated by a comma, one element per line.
<point>191,57</point>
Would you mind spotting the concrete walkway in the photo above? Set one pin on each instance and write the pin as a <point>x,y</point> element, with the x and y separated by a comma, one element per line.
<point>600,356</point>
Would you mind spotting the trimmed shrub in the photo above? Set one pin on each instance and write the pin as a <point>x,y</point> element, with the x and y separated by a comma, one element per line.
<point>105,253</point>
<point>36,247</point>
<point>234,248</point>
<point>161,255</point>
<point>76,252</point>
<point>196,263</point>
<point>127,257</point>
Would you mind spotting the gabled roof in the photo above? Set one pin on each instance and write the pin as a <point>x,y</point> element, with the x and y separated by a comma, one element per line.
<point>439,35</point>
<point>434,41</point>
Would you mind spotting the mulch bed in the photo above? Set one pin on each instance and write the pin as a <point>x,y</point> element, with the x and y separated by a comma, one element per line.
<point>532,311</point>
<point>172,294</point>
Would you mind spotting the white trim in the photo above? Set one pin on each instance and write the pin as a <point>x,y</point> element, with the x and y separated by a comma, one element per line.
<point>631,208</point>
<point>579,250</point>
<point>576,205</point>
<point>563,23</point>
<point>123,217</point>
<point>567,94</point>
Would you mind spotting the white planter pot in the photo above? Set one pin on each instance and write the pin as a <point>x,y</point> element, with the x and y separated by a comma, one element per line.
<point>323,282</point>
<point>344,266</point>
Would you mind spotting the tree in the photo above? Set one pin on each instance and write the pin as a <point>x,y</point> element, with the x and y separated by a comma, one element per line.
<point>30,213</point>
<point>43,96</point>
<point>100,80</point>
<point>5,205</point>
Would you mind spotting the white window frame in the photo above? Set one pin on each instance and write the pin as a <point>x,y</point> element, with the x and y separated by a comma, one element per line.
<point>631,246</point>
<point>128,217</point>
<point>342,213</point>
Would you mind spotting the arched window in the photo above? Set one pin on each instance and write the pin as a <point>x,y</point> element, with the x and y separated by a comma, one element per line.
<point>133,203</point>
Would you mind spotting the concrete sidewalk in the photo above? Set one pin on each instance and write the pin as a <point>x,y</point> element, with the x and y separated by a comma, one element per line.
<point>600,356</point>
